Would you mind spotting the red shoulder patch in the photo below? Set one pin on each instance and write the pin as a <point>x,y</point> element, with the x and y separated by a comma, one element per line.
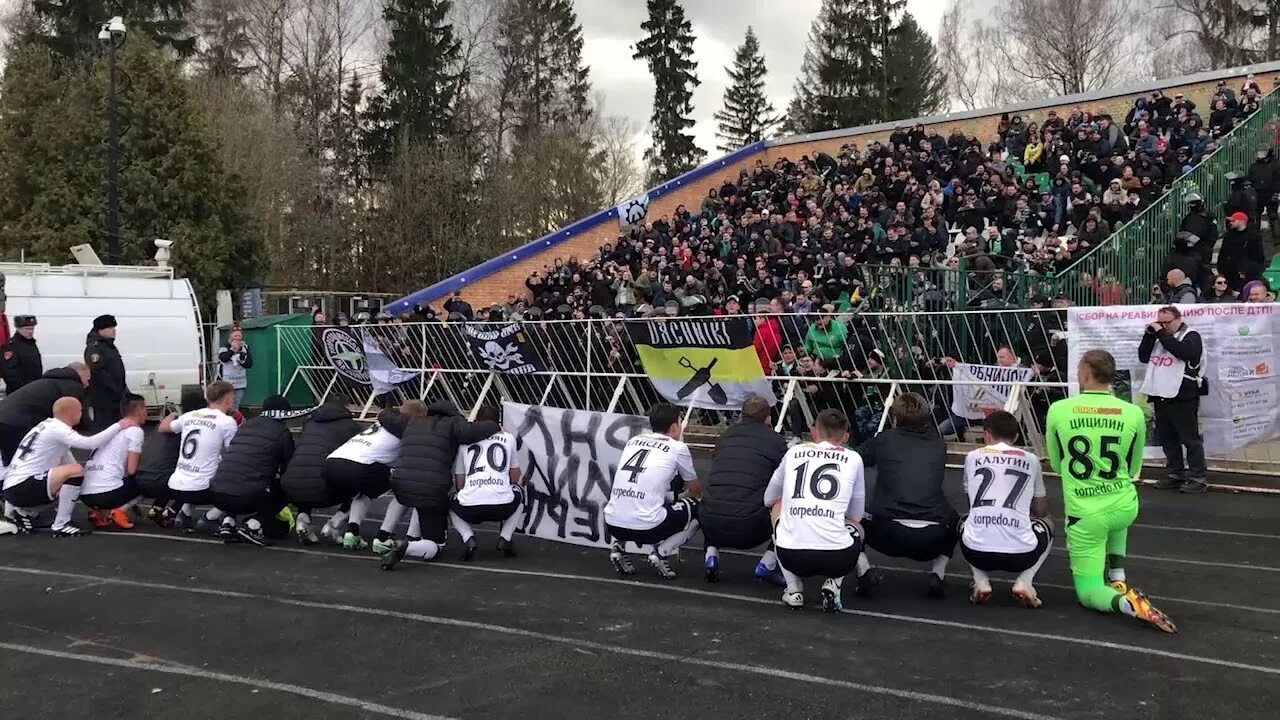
<point>8,354</point>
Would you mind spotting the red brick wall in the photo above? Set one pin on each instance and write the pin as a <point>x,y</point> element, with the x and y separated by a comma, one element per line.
<point>499,285</point>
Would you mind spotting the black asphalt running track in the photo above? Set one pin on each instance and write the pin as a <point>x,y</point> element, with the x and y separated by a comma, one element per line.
<point>153,624</point>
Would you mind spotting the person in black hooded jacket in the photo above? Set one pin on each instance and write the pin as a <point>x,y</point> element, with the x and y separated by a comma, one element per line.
<point>158,461</point>
<point>909,516</point>
<point>424,477</point>
<point>247,480</point>
<point>731,513</point>
<point>30,404</point>
<point>302,482</point>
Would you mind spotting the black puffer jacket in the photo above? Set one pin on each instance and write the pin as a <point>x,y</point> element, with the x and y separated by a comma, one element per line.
<point>427,450</point>
<point>32,403</point>
<point>258,453</point>
<point>159,456</point>
<point>326,431</point>
<point>745,457</point>
<point>912,465</point>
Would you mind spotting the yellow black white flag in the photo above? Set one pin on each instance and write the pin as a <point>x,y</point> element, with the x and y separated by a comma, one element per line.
<point>704,362</point>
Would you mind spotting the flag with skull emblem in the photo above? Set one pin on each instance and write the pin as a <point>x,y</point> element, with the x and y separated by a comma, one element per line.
<point>503,348</point>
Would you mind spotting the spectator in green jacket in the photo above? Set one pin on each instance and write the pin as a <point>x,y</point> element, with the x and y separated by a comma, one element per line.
<point>826,337</point>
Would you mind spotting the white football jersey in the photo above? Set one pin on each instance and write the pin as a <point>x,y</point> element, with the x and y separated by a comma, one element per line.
<point>45,447</point>
<point>487,466</point>
<point>819,484</point>
<point>374,445</point>
<point>648,464</point>
<point>1000,481</point>
<point>105,469</point>
<point>205,434</point>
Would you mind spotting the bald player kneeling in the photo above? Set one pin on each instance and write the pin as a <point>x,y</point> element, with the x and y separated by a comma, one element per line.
<point>817,497</point>
<point>41,472</point>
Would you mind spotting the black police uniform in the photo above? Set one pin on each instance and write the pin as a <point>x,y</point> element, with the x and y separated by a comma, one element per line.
<point>22,363</point>
<point>107,387</point>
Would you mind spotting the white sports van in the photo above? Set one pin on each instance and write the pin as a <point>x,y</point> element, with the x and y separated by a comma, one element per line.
<point>159,333</point>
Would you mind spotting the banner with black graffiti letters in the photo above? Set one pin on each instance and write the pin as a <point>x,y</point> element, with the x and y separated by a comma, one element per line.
<point>1241,364</point>
<point>503,348</point>
<point>567,460</point>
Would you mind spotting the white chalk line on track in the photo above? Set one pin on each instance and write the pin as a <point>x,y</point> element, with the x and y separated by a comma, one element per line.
<point>770,672</point>
<point>1205,531</point>
<point>721,596</point>
<point>309,693</point>
<point>965,576</point>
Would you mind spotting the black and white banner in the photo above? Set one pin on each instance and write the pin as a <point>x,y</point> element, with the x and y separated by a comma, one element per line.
<point>983,389</point>
<point>568,458</point>
<point>503,348</point>
<point>633,211</point>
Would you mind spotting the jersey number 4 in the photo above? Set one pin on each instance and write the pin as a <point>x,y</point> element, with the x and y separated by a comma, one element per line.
<point>635,464</point>
<point>986,476</point>
<point>823,483</point>
<point>27,444</point>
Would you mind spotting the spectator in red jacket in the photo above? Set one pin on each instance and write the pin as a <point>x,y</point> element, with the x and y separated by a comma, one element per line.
<point>768,340</point>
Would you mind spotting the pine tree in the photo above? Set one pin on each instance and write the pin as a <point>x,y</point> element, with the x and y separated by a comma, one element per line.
<point>748,116</point>
<point>224,28</point>
<point>544,82</point>
<point>70,27</point>
<point>916,84</point>
<point>844,79</point>
<point>421,78</point>
<point>668,49</point>
<point>52,161</point>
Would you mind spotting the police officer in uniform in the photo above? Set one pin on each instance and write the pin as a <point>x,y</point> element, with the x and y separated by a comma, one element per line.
<point>107,379</point>
<point>22,362</point>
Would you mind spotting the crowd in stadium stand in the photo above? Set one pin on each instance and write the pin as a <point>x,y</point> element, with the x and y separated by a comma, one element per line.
<point>894,221</point>
<point>815,240</point>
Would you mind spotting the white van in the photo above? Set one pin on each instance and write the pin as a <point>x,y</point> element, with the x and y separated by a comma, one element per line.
<point>159,320</point>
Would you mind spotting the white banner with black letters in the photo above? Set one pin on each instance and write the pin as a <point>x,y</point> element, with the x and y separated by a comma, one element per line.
<point>986,388</point>
<point>567,460</point>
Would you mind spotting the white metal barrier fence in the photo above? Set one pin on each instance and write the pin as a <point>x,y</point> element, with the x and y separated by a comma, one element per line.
<point>856,362</point>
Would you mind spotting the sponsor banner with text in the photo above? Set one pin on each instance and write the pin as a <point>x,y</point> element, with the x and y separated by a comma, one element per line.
<point>1242,364</point>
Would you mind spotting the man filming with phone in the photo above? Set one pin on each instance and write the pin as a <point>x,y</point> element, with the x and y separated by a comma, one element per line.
<point>1174,382</point>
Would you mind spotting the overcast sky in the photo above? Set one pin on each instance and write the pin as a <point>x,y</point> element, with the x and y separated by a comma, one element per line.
<point>611,27</point>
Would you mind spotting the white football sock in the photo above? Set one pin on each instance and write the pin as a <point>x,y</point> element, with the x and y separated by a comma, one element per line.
<point>1027,577</point>
<point>188,509</point>
<point>939,566</point>
<point>67,498</point>
<point>711,552</point>
<point>214,515</point>
<point>392,517</point>
<point>673,543</point>
<point>509,526</point>
<point>253,524</point>
<point>462,526</point>
<point>415,525</point>
<point>793,582</point>
<point>423,549</point>
<point>1114,574</point>
<point>359,509</point>
<point>339,520</point>
<point>769,559</point>
<point>864,564</point>
<point>980,577</point>
<point>304,518</point>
